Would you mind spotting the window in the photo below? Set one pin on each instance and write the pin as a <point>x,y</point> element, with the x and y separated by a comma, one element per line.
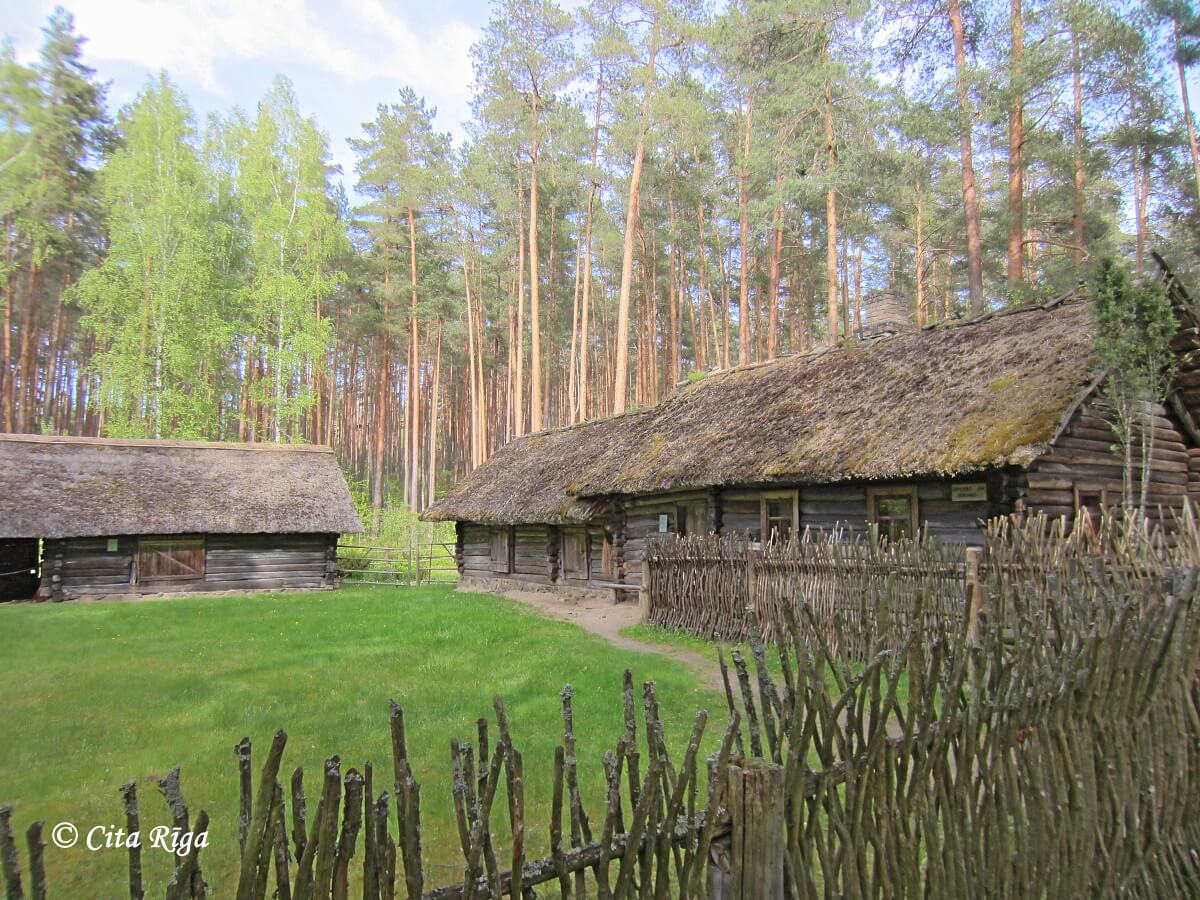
<point>502,549</point>
<point>893,511</point>
<point>575,553</point>
<point>170,559</point>
<point>1090,503</point>
<point>779,515</point>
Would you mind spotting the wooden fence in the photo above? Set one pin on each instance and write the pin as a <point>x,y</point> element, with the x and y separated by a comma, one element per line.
<point>1057,758</point>
<point>425,562</point>
<point>856,590</point>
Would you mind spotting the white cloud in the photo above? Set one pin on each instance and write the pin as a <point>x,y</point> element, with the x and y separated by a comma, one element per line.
<point>439,63</point>
<point>358,42</point>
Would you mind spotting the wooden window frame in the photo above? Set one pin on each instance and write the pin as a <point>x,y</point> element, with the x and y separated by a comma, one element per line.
<point>764,500</point>
<point>1079,490</point>
<point>875,494</point>
<point>502,566</point>
<point>158,543</point>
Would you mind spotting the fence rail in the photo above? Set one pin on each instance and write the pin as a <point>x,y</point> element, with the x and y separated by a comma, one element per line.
<point>430,562</point>
<point>705,585</point>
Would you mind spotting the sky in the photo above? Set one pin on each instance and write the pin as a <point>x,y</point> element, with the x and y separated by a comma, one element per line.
<point>343,56</point>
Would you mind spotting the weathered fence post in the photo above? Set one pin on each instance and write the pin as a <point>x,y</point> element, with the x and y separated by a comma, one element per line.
<point>757,840</point>
<point>974,594</point>
<point>752,556</point>
<point>644,592</point>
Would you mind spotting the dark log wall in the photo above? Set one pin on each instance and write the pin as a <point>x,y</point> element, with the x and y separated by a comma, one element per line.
<point>642,523</point>
<point>1193,490</point>
<point>1086,458</point>
<point>530,552</point>
<point>476,550</point>
<point>85,566</point>
<point>256,561</point>
<point>844,506</point>
<point>537,555</point>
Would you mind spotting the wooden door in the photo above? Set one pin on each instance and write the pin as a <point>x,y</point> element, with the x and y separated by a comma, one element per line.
<point>575,553</point>
<point>170,560</point>
<point>691,519</point>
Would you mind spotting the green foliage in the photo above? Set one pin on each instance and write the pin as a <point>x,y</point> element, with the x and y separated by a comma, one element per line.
<point>294,238</point>
<point>150,303</point>
<point>1134,327</point>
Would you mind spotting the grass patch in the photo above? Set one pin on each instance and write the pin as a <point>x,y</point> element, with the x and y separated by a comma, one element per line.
<point>93,695</point>
<point>669,637</point>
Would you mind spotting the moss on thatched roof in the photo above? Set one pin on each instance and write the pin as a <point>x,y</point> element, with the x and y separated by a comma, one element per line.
<point>55,487</point>
<point>940,401</point>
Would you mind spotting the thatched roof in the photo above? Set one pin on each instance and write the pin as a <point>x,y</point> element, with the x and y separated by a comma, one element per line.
<point>940,401</point>
<point>58,487</point>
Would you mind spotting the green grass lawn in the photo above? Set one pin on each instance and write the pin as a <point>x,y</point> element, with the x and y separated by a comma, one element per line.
<point>93,695</point>
<point>669,637</point>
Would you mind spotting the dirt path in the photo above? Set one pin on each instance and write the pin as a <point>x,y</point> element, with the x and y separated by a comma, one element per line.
<point>606,619</point>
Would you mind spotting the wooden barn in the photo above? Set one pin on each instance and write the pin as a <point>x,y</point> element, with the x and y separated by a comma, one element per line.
<point>83,516</point>
<point>933,430</point>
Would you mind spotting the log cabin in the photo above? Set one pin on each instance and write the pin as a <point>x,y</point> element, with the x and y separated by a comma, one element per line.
<point>932,430</point>
<point>90,517</point>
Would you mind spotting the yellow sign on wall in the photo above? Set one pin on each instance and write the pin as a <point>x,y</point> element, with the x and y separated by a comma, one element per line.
<point>967,493</point>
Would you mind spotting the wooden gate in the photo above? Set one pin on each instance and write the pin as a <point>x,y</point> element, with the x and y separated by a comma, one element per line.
<point>170,560</point>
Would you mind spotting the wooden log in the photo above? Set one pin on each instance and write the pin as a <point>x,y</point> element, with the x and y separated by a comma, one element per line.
<point>37,863</point>
<point>259,832</point>
<point>188,872</point>
<point>9,860</point>
<point>283,887</point>
<point>266,848</point>
<point>133,826</point>
<point>756,818</point>
<point>348,838</point>
<point>170,789</point>
<point>245,783</point>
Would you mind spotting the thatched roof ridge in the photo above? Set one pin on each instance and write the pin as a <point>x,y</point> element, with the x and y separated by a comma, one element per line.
<point>945,400</point>
<point>60,487</point>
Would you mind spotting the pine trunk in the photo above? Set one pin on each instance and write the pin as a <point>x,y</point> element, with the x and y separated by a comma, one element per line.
<point>1193,144</point>
<point>1078,252</point>
<point>378,492</point>
<point>1016,151</point>
<point>621,363</point>
<point>970,195</point>
<point>747,119</point>
<point>535,320</point>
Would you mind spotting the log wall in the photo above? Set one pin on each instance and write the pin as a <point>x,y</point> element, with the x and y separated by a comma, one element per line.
<point>86,567</point>
<point>1087,458</point>
<point>475,556</point>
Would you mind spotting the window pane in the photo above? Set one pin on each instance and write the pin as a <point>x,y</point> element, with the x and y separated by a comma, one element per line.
<point>892,507</point>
